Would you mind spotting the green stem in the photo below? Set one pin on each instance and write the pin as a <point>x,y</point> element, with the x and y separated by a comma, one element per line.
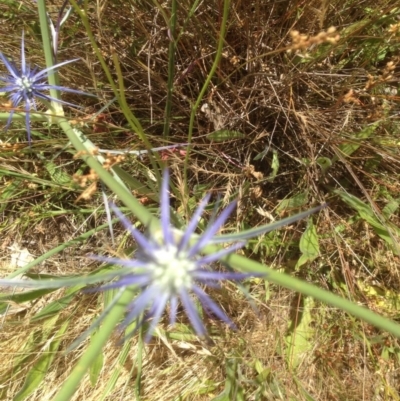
<point>126,197</point>
<point>192,10</point>
<point>82,144</point>
<point>17,116</point>
<point>48,52</point>
<point>133,121</point>
<point>221,41</point>
<point>119,90</point>
<point>242,264</point>
<point>246,265</point>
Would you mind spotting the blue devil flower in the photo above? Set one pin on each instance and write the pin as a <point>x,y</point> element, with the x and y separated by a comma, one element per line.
<point>169,268</point>
<point>27,84</point>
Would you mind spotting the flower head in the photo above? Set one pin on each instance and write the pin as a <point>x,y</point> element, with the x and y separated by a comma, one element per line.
<point>170,268</point>
<point>28,85</point>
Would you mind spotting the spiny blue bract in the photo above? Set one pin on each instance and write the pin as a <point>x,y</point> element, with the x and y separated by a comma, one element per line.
<point>26,85</point>
<point>169,268</point>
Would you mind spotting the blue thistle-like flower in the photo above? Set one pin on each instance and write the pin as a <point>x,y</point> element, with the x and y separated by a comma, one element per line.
<point>171,268</point>
<point>27,84</point>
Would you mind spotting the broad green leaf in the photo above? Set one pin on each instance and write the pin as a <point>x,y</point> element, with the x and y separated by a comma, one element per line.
<point>390,208</point>
<point>309,245</point>
<point>57,174</point>
<point>39,370</point>
<point>225,135</point>
<point>295,202</point>
<point>300,334</point>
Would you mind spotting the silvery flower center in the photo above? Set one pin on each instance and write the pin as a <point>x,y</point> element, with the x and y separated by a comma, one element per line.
<point>25,83</point>
<point>171,269</point>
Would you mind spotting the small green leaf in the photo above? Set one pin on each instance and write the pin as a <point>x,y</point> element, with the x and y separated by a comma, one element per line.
<point>9,191</point>
<point>295,202</point>
<point>262,154</point>
<point>208,386</point>
<point>309,245</point>
<point>390,208</point>
<point>230,382</point>
<point>225,135</point>
<point>300,334</point>
<point>274,165</point>
<point>324,163</point>
<point>57,174</point>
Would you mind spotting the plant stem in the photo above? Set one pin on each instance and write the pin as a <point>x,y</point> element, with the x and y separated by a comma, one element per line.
<point>124,195</point>
<point>48,53</point>
<point>221,41</point>
<point>246,265</point>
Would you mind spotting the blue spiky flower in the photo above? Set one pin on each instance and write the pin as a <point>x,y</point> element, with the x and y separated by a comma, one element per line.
<point>169,268</point>
<point>28,85</point>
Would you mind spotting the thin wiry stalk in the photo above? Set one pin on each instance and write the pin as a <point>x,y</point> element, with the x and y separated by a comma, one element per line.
<point>218,55</point>
<point>171,67</point>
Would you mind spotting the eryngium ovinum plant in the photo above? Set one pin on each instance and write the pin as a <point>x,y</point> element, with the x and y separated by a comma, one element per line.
<point>138,277</point>
<point>27,85</point>
<point>169,267</point>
